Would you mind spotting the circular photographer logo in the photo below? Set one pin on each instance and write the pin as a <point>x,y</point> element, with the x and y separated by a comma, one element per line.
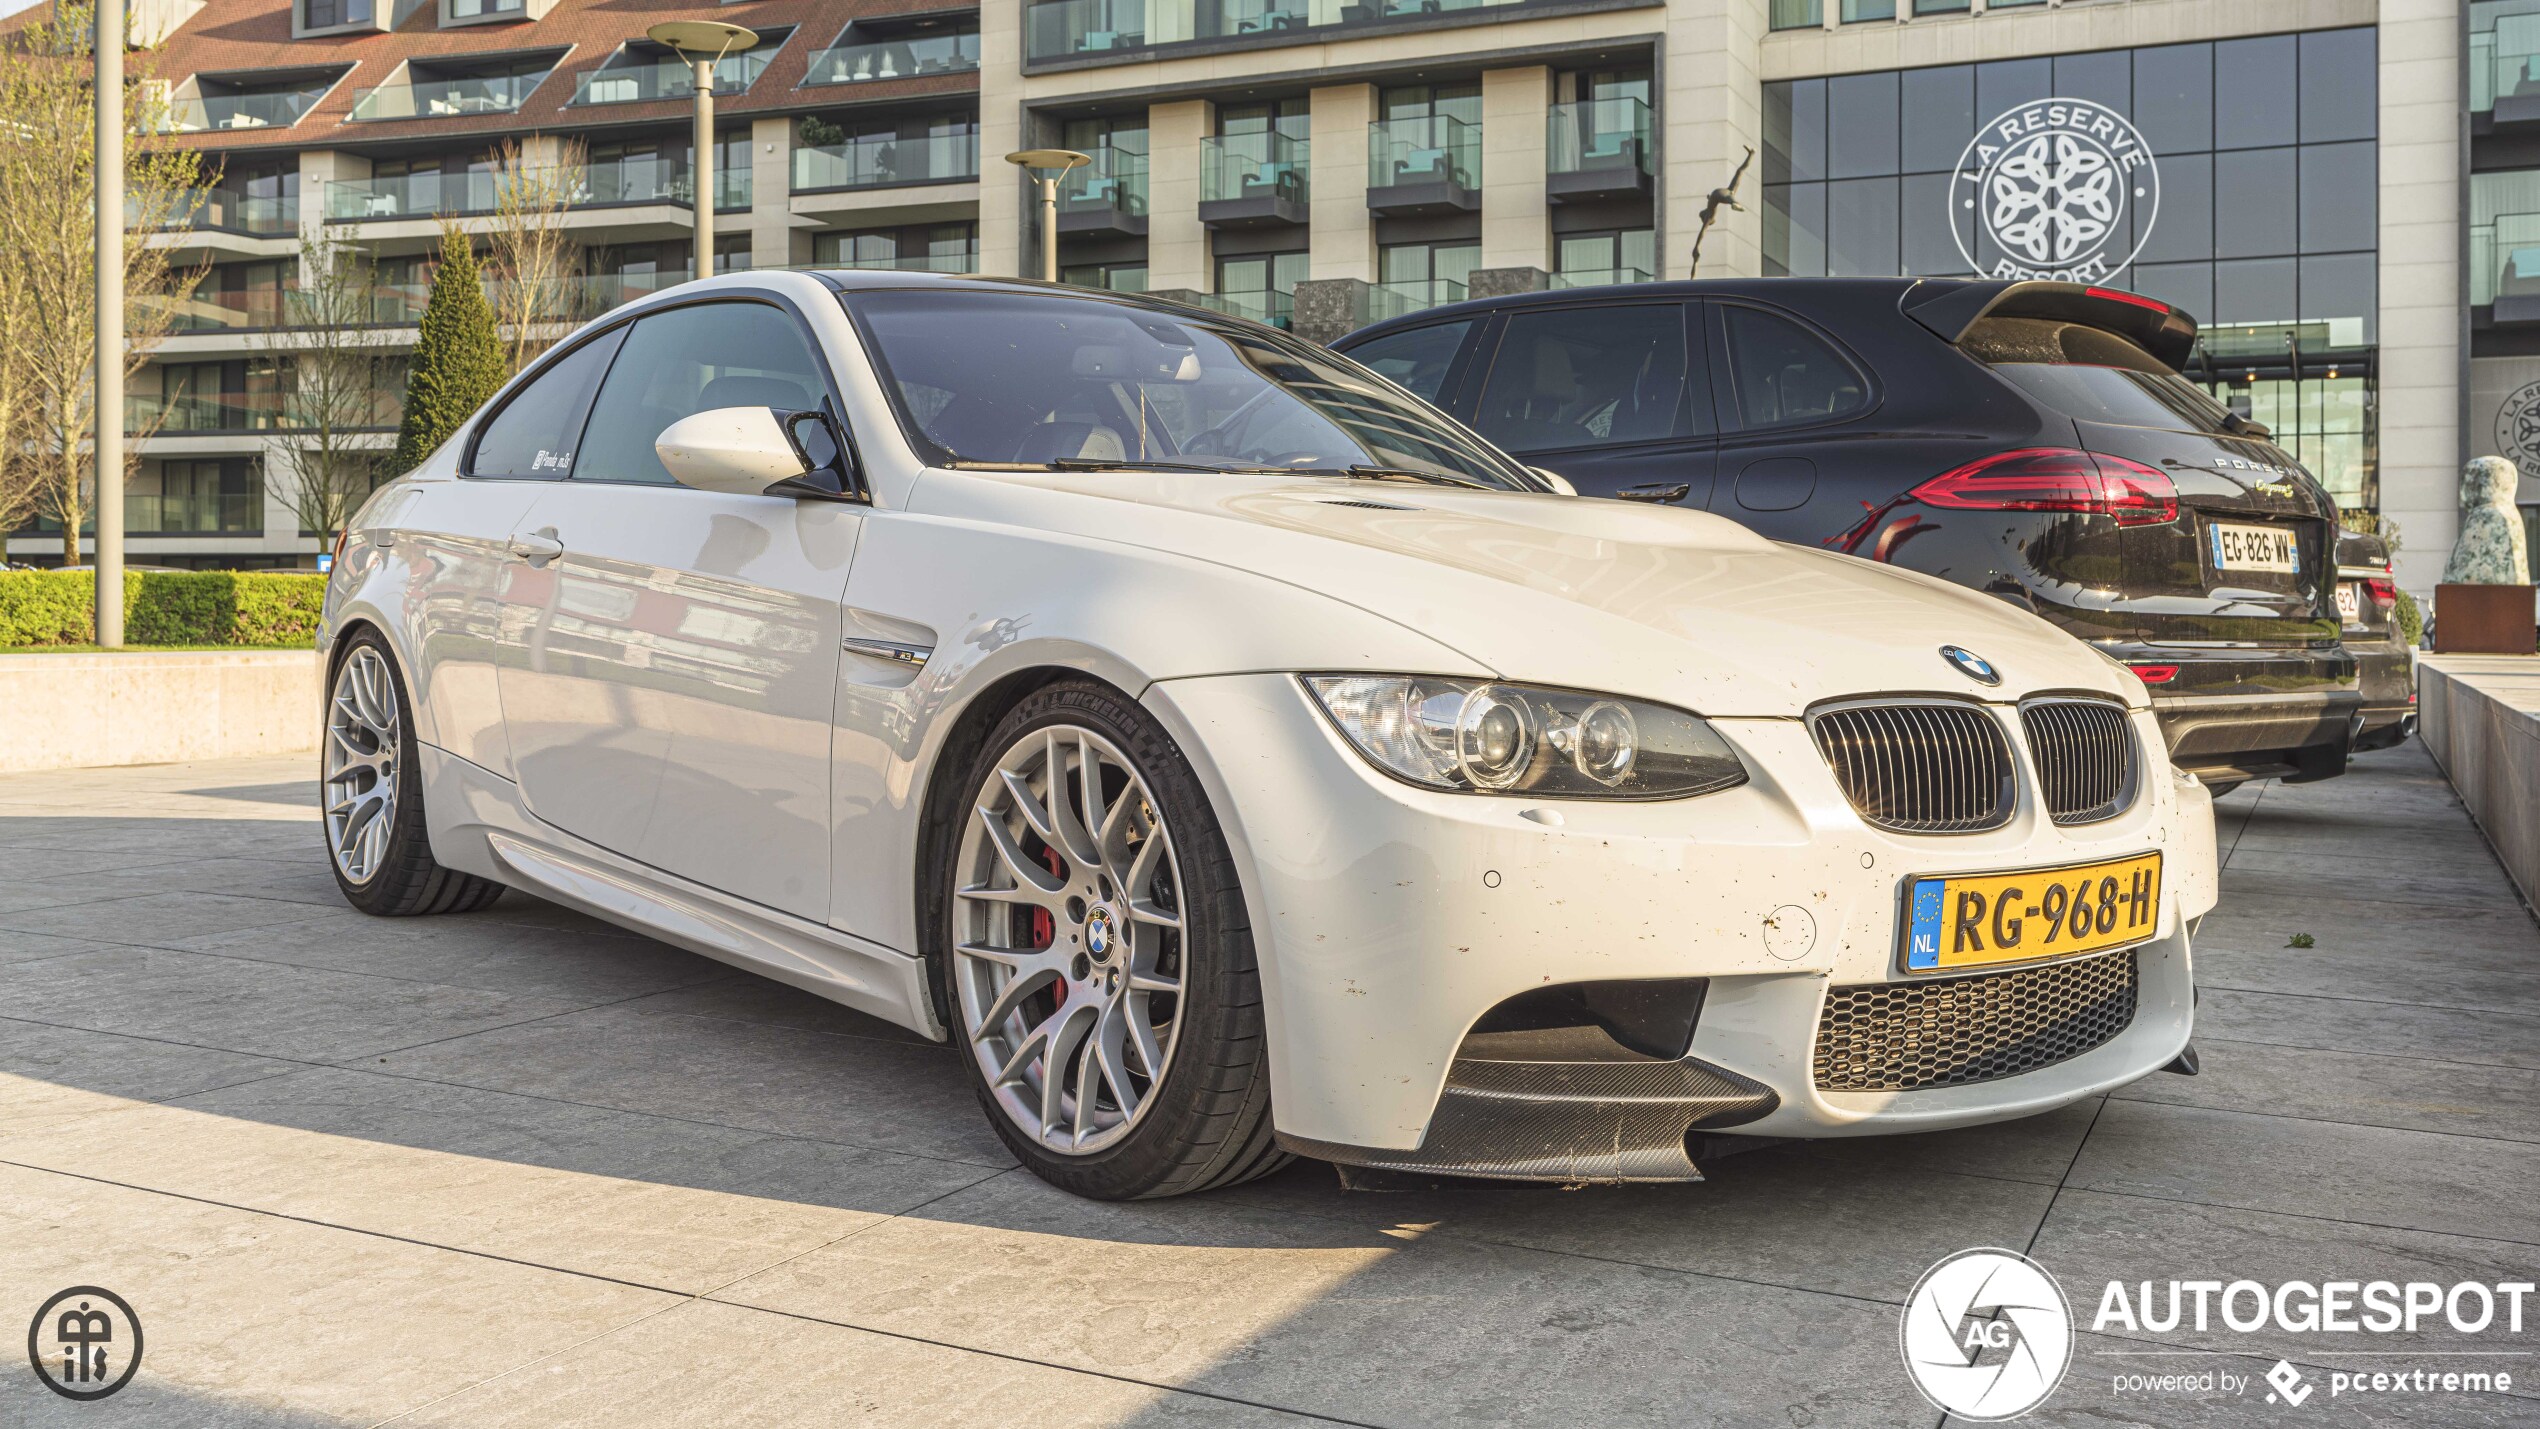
<point>84,1343</point>
<point>2518,427</point>
<point>1987,1334</point>
<point>2057,188</point>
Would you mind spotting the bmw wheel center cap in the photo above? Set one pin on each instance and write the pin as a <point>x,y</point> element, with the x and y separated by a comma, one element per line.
<point>1972,665</point>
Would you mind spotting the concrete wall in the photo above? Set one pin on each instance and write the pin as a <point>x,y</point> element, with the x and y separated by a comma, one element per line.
<point>76,711</point>
<point>2424,302</point>
<point>2479,716</point>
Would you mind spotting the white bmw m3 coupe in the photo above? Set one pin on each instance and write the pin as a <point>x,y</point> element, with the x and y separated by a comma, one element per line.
<point>1232,757</point>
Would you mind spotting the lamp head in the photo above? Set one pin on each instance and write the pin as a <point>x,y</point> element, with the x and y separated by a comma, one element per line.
<point>1048,163</point>
<point>701,37</point>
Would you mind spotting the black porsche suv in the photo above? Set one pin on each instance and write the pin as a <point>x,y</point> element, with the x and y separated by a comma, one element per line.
<point>2031,439</point>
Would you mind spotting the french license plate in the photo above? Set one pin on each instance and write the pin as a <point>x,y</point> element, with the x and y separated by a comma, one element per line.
<point>1971,920</point>
<point>2253,548</point>
<point>2350,606</point>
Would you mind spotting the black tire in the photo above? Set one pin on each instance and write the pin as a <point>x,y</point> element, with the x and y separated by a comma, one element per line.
<point>408,881</point>
<point>1209,1125</point>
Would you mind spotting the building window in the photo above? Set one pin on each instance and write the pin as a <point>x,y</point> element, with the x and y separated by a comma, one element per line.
<point>327,14</point>
<point>1856,11</point>
<point>1798,14</point>
<point>1585,260</point>
<point>1260,286</point>
<point>1112,277</point>
<point>923,248</point>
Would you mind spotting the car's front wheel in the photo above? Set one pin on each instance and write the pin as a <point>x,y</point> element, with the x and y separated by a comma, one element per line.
<point>372,794</point>
<point>1097,957</point>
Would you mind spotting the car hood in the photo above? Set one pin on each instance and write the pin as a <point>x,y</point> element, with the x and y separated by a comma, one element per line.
<point>1657,602</point>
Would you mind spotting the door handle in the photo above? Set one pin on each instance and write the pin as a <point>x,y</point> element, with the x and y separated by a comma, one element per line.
<point>538,547</point>
<point>1662,491</point>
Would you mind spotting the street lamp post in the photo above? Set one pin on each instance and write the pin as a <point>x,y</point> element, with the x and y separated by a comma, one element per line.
<point>703,44</point>
<point>1047,167</point>
<point>108,445</point>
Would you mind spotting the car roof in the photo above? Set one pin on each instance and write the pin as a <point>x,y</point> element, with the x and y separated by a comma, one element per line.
<point>1803,292</point>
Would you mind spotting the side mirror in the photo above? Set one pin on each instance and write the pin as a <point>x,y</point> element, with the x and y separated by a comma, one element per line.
<point>740,451</point>
<point>1560,484</point>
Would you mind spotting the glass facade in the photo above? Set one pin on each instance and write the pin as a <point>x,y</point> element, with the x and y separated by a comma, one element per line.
<point>2237,179</point>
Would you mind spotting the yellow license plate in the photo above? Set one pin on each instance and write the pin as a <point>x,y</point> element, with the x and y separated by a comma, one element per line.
<point>1974,919</point>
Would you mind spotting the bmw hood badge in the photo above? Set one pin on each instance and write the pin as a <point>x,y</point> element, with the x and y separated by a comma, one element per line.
<point>1970,664</point>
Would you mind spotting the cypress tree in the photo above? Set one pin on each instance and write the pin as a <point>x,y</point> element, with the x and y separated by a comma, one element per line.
<point>458,358</point>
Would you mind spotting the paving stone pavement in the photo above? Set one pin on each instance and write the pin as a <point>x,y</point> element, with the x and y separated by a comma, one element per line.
<point>521,1168</point>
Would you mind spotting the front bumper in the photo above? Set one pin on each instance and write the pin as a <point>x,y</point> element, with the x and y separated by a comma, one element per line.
<point>1388,919</point>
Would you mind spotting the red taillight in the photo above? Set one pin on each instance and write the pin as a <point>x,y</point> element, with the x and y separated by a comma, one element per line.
<point>343,538</point>
<point>2382,591</point>
<point>2119,295</point>
<point>2056,479</point>
<point>2155,674</point>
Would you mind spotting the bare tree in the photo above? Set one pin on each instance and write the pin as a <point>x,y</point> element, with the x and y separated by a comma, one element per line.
<point>330,356</point>
<point>48,232</point>
<point>531,256</point>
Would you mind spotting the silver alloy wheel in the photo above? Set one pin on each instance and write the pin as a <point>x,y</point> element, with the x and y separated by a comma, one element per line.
<point>360,788</point>
<point>1068,939</point>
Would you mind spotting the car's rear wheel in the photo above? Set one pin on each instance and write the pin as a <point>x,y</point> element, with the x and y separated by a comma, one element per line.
<point>1097,959</point>
<point>372,795</point>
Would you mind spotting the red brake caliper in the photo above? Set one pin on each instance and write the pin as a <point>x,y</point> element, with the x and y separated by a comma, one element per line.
<point>1044,930</point>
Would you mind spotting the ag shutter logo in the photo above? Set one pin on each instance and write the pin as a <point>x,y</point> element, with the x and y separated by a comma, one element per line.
<point>2518,427</point>
<point>1986,1335</point>
<point>2058,188</point>
<point>85,1343</point>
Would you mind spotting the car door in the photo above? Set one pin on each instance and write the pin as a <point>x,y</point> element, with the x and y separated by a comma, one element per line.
<point>1615,396</point>
<point>1788,398</point>
<point>676,669</point>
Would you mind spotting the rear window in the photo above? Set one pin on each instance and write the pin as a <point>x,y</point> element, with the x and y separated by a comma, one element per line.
<point>2092,374</point>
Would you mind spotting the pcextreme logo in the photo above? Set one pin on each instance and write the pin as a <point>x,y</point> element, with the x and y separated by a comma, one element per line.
<point>1987,1334</point>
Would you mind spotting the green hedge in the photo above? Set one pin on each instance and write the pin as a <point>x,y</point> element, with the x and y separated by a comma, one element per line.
<point>164,607</point>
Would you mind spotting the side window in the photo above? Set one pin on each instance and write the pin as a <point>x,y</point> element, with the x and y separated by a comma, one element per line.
<point>535,433</point>
<point>690,360</point>
<point>1589,377</point>
<point>1784,374</point>
<point>1415,361</point>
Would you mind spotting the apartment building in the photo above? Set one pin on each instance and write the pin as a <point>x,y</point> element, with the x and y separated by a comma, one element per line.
<point>2298,173</point>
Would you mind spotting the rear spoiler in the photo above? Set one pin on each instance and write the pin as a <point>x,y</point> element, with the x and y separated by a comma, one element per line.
<point>1949,308</point>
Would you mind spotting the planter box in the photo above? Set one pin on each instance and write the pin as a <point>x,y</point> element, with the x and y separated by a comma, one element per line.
<point>146,707</point>
<point>2483,620</point>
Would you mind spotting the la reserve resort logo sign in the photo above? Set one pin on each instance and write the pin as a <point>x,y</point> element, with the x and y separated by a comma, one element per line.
<point>2057,188</point>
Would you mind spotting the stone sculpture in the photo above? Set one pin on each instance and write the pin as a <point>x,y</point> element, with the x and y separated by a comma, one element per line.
<point>2490,549</point>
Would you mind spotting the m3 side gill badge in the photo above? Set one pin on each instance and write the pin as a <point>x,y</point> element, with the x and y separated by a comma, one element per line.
<point>1972,665</point>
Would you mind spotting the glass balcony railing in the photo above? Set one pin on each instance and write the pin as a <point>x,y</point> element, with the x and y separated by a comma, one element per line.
<point>1392,300</point>
<point>411,196</point>
<point>216,311</point>
<point>446,98</point>
<point>1403,153</point>
<point>871,163</point>
<point>1270,306</point>
<point>1593,134</point>
<point>1599,277</point>
<point>911,263</point>
<point>665,79</point>
<point>894,59</point>
<point>1115,180</point>
<point>2504,63</point>
<point>196,114</point>
<point>1060,29</point>
<point>1263,164</point>
<point>2504,259</point>
<point>194,513</point>
<point>229,212</point>
<point>176,413</point>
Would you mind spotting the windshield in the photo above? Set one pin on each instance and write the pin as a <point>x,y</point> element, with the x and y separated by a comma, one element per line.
<point>986,377</point>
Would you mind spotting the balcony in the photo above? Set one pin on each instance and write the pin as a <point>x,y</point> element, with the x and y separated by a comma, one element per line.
<point>224,312</point>
<point>1596,150</point>
<point>1423,167</point>
<point>194,513</point>
<point>1393,300</point>
<point>1106,198</point>
<point>912,263</point>
<point>884,161</point>
<point>1599,277</point>
<point>1270,306</point>
<point>229,211</point>
<point>459,194</point>
<point>275,109</point>
<point>1090,29</point>
<point>2505,268</point>
<point>445,98</point>
<point>2504,70</point>
<point>905,58</point>
<point>1255,180</point>
<point>177,414</point>
<point>639,79</point>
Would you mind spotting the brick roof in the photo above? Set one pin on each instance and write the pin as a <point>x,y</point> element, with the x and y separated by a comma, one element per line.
<point>228,36</point>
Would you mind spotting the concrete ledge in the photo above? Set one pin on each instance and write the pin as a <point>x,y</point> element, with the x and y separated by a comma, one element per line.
<point>155,707</point>
<point>2479,716</point>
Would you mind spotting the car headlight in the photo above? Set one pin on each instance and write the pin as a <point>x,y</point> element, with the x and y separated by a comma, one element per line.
<point>1486,736</point>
